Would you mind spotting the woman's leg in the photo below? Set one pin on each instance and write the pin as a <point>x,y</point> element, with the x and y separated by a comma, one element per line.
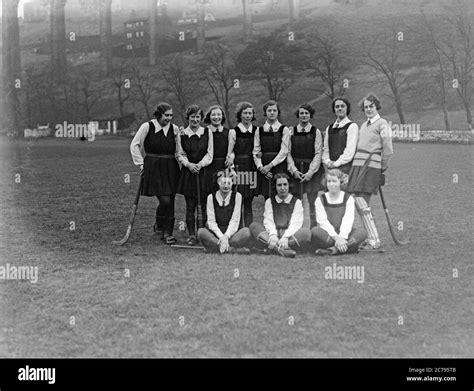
<point>248,213</point>
<point>191,203</point>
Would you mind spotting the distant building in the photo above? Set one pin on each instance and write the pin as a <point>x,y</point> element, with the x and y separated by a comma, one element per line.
<point>136,33</point>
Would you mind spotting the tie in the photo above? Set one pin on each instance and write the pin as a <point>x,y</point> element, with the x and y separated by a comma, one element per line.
<point>368,122</point>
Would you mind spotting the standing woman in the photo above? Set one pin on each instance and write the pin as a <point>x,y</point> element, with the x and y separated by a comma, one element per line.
<point>270,147</point>
<point>240,155</point>
<point>340,140</point>
<point>194,149</point>
<point>374,151</point>
<point>153,150</point>
<point>304,158</point>
<point>215,118</point>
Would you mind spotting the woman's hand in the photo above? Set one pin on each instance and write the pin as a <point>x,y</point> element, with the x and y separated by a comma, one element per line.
<point>298,175</point>
<point>283,243</point>
<point>306,177</point>
<point>273,242</point>
<point>229,161</point>
<point>194,168</point>
<point>223,244</point>
<point>341,244</point>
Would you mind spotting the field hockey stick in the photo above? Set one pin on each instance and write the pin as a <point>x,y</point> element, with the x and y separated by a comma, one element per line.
<point>301,183</point>
<point>132,215</point>
<point>390,225</point>
<point>198,208</point>
<point>237,189</point>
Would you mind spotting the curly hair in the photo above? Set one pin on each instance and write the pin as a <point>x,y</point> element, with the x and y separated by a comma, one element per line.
<point>162,108</point>
<point>241,107</point>
<point>335,172</point>
<point>271,103</point>
<point>193,109</point>
<point>207,116</point>
<point>372,98</point>
<point>307,107</point>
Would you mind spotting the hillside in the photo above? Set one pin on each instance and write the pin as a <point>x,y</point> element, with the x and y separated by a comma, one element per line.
<point>360,26</point>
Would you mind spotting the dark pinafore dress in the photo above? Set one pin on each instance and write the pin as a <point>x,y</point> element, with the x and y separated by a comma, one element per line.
<point>282,214</point>
<point>302,152</point>
<point>337,141</point>
<point>335,212</point>
<point>244,163</point>
<point>224,213</point>
<point>195,148</point>
<point>221,144</point>
<point>270,143</point>
<point>160,168</point>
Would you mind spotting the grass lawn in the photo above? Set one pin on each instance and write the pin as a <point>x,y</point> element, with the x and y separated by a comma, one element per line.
<point>179,303</point>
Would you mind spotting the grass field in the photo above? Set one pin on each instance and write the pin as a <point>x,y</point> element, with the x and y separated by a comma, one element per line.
<point>178,303</point>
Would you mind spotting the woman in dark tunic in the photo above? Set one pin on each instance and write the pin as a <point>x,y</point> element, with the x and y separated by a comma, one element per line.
<point>304,158</point>
<point>194,151</point>
<point>153,149</point>
<point>240,154</point>
<point>215,118</point>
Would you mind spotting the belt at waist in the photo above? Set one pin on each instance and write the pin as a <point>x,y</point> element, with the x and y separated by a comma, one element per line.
<point>303,160</point>
<point>243,156</point>
<point>160,155</point>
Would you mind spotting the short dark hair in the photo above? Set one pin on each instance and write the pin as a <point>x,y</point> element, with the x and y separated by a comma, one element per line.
<point>207,116</point>
<point>268,104</point>
<point>241,107</point>
<point>345,100</point>
<point>307,107</point>
<point>193,109</point>
<point>162,108</point>
<point>279,176</point>
<point>371,98</point>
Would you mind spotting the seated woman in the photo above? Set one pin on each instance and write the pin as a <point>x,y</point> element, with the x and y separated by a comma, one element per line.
<point>223,219</point>
<point>334,233</point>
<point>282,230</point>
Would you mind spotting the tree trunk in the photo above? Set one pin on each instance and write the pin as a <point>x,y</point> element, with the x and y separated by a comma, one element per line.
<point>291,15</point>
<point>468,115</point>
<point>152,9</point>
<point>105,27</point>
<point>247,19</point>
<point>398,103</point>
<point>201,31</point>
<point>58,39</point>
<point>11,64</point>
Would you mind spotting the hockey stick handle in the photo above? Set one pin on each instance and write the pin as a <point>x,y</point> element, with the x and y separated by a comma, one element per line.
<point>198,207</point>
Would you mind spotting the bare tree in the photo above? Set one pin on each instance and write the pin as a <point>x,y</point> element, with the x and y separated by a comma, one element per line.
<point>121,81</point>
<point>181,83</point>
<point>58,39</point>
<point>11,64</point>
<point>105,24</point>
<point>144,88</point>
<point>89,94</point>
<point>458,48</point>
<point>327,57</point>
<point>220,71</point>
<point>442,74</point>
<point>273,60</point>
<point>383,55</point>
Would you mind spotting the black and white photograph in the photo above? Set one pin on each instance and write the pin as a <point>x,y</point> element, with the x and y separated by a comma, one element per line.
<point>237,179</point>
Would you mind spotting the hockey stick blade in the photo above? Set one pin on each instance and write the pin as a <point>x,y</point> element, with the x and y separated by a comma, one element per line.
<point>389,221</point>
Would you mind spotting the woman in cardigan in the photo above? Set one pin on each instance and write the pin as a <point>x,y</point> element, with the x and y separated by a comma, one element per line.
<point>153,150</point>
<point>374,151</point>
